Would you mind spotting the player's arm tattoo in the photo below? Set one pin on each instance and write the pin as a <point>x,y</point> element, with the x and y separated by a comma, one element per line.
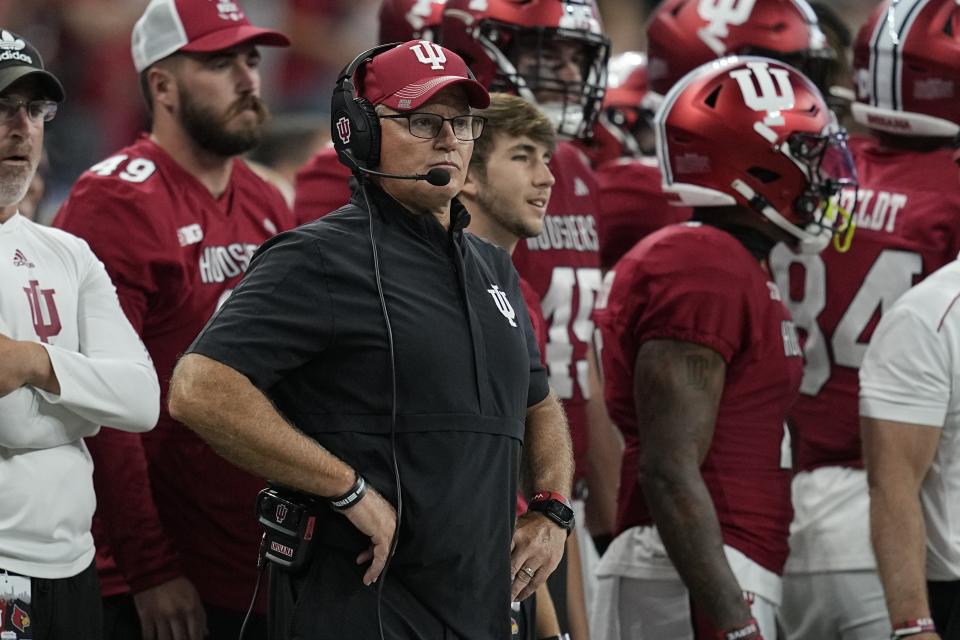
<point>677,389</point>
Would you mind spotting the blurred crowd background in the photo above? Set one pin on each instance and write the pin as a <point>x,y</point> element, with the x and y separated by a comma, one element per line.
<point>86,43</point>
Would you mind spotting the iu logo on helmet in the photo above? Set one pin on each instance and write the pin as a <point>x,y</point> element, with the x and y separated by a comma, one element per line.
<point>720,14</point>
<point>503,304</point>
<point>429,53</point>
<point>281,514</point>
<point>760,93</point>
<point>45,323</point>
<point>343,129</point>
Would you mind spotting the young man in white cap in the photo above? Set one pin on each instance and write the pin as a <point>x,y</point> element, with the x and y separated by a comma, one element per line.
<point>176,217</point>
<point>69,362</point>
<point>381,348</point>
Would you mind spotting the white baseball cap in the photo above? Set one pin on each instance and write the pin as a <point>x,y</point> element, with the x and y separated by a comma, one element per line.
<point>168,26</point>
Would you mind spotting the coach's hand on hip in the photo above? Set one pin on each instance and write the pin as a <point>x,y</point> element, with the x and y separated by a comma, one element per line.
<point>377,519</point>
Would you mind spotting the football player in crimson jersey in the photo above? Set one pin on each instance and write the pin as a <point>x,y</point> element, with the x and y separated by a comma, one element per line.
<point>322,185</point>
<point>701,360</point>
<point>175,218</point>
<point>908,219</point>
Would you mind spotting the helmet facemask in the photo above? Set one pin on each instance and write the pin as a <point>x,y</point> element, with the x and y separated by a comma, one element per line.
<point>562,71</point>
<point>818,214</point>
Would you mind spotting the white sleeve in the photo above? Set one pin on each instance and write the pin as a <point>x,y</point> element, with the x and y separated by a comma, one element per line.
<point>25,423</point>
<point>906,373</point>
<point>111,380</point>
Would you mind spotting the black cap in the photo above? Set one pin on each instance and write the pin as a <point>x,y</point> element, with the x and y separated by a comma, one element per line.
<point>18,59</point>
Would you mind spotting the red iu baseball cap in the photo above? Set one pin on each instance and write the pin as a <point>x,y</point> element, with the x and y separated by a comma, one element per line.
<point>411,73</point>
<point>201,26</point>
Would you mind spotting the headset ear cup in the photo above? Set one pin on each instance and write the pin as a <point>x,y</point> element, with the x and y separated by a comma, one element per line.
<point>372,139</point>
<point>342,129</point>
<point>354,125</point>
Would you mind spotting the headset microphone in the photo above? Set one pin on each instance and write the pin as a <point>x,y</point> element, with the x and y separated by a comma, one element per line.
<point>436,177</point>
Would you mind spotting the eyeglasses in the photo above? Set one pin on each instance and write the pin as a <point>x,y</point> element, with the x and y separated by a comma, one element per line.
<point>37,110</point>
<point>429,125</point>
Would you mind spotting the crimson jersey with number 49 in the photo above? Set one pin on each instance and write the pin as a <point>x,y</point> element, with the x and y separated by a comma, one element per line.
<point>908,225</point>
<point>562,264</point>
<point>174,253</point>
<point>694,283</point>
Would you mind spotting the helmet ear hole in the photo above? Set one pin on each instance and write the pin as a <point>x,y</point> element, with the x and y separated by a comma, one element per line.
<point>711,100</point>
<point>766,176</point>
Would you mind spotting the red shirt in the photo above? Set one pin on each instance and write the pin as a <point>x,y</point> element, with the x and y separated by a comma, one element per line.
<point>698,284</point>
<point>632,206</point>
<point>174,253</point>
<point>908,225</point>
<point>562,265</point>
<point>322,186</point>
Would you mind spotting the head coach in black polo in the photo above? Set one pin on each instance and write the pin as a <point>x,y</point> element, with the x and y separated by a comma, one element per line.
<point>381,346</point>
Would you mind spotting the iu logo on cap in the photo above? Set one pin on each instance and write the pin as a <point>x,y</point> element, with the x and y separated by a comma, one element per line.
<point>343,129</point>
<point>429,53</point>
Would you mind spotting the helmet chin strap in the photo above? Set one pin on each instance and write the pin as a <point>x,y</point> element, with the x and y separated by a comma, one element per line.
<point>813,238</point>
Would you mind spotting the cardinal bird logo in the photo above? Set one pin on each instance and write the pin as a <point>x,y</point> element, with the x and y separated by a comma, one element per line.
<point>20,618</point>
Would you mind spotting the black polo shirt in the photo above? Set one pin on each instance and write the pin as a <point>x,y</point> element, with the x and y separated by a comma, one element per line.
<point>305,326</point>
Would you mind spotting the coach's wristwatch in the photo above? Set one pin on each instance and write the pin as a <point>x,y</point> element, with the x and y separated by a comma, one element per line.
<point>555,506</point>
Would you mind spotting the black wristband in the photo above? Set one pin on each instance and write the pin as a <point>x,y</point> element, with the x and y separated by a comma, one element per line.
<point>351,497</point>
<point>564,636</point>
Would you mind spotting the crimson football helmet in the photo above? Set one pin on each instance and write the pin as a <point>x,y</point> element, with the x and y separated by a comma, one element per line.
<point>683,34</point>
<point>403,20</point>
<point>756,133</point>
<point>624,127</point>
<point>906,62</point>
<point>550,52</point>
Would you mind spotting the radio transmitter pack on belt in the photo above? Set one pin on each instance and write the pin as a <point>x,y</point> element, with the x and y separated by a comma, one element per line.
<point>289,520</point>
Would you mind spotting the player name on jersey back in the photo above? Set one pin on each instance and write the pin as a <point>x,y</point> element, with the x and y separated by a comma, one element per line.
<point>573,232</point>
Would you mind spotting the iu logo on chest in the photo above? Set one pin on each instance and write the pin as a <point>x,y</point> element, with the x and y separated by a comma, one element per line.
<point>43,310</point>
<point>503,304</point>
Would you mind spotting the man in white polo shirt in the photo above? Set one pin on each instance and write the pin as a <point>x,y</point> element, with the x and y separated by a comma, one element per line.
<point>69,362</point>
<point>910,422</point>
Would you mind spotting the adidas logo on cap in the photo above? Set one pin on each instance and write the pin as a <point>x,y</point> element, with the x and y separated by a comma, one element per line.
<point>11,48</point>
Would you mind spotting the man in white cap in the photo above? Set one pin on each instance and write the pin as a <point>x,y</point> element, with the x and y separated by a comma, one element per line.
<point>175,217</point>
<point>69,362</point>
<point>384,360</point>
